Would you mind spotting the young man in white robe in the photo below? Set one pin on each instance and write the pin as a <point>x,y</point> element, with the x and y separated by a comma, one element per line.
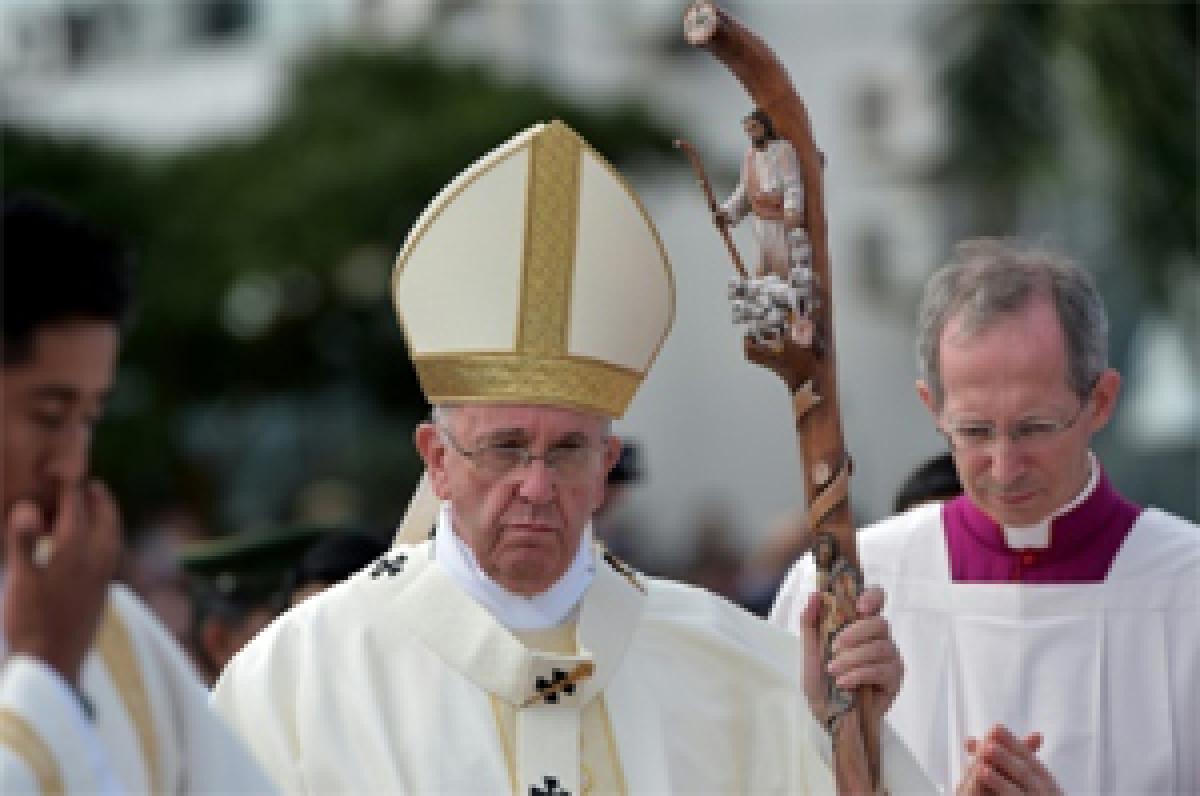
<point>95,696</point>
<point>510,652</point>
<point>1041,608</point>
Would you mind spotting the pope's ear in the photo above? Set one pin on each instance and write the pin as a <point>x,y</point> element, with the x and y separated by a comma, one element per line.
<point>612,452</point>
<point>433,452</point>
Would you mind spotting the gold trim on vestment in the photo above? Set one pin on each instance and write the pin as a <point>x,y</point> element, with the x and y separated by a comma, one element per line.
<point>116,650</point>
<point>613,754</point>
<point>545,295</point>
<point>589,385</point>
<point>510,755</point>
<point>17,734</point>
<point>548,255</point>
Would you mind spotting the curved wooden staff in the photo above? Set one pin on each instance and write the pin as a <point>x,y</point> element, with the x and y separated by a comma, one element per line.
<point>810,375</point>
<point>702,180</point>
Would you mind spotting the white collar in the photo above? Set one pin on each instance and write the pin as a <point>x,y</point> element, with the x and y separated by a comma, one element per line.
<point>1037,536</point>
<point>516,612</point>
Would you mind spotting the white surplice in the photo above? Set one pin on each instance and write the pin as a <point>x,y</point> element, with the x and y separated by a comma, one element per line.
<point>396,681</point>
<point>153,729</point>
<point>1108,672</point>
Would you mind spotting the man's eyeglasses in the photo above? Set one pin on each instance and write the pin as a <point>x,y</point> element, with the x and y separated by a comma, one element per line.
<point>1026,434</point>
<point>570,460</point>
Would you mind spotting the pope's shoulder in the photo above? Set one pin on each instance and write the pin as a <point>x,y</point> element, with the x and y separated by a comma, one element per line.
<point>340,612</point>
<point>690,618</point>
<point>674,615</point>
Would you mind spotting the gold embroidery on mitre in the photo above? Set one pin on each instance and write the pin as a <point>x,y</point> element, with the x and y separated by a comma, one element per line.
<point>17,734</point>
<point>590,385</point>
<point>552,205</point>
<point>551,225</point>
<point>116,650</point>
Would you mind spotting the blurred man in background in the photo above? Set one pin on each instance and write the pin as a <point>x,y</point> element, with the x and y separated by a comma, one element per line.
<point>934,480</point>
<point>240,584</point>
<point>1040,608</point>
<point>152,569</point>
<point>333,559</point>
<point>95,696</point>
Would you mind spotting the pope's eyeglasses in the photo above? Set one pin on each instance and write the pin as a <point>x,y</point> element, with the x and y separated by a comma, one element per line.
<point>569,460</point>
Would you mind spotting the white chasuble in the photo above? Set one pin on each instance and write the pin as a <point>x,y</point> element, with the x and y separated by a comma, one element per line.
<point>152,728</point>
<point>1108,672</point>
<point>396,681</point>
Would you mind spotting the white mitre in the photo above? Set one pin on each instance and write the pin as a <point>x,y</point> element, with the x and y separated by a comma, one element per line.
<point>534,277</point>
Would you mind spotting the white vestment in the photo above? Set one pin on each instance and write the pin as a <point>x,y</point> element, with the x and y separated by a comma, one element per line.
<point>397,681</point>
<point>1108,672</point>
<point>153,729</point>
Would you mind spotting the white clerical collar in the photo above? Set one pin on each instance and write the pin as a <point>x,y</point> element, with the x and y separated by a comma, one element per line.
<point>516,612</point>
<point>1038,536</point>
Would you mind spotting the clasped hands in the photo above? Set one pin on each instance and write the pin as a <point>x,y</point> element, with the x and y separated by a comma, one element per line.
<point>1002,764</point>
<point>864,654</point>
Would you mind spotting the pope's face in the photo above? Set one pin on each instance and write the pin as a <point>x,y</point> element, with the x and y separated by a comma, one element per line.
<point>51,402</point>
<point>1013,374</point>
<point>523,526</point>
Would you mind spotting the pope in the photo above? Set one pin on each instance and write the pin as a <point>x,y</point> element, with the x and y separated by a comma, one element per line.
<point>498,647</point>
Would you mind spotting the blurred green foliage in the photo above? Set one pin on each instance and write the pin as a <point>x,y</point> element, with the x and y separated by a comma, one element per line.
<point>264,353</point>
<point>1014,73</point>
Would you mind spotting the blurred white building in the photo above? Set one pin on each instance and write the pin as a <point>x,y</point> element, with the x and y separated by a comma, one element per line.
<point>161,74</point>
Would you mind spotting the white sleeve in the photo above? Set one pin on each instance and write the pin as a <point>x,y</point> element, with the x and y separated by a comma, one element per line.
<point>212,759</point>
<point>793,595</point>
<point>258,696</point>
<point>901,771</point>
<point>46,739</point>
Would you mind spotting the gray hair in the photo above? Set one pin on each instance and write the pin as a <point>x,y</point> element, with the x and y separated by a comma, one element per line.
<point>441,414</point>
<point>988,279</point>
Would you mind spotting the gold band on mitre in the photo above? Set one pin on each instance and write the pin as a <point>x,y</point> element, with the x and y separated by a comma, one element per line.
<point>535,277</point>
<point>576,383</point>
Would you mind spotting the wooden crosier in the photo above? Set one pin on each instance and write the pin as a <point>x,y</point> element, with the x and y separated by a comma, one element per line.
<point>810,375</point>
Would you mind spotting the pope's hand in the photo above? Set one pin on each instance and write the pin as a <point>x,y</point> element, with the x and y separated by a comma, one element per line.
<point>1002,764</point>
<point>863,653</point>
<point>57,577</point>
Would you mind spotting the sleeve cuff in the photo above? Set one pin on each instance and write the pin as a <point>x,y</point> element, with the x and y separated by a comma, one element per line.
<point>53,711</point>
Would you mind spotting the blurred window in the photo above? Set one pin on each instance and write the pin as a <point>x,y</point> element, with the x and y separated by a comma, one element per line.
<point>215,21</point>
